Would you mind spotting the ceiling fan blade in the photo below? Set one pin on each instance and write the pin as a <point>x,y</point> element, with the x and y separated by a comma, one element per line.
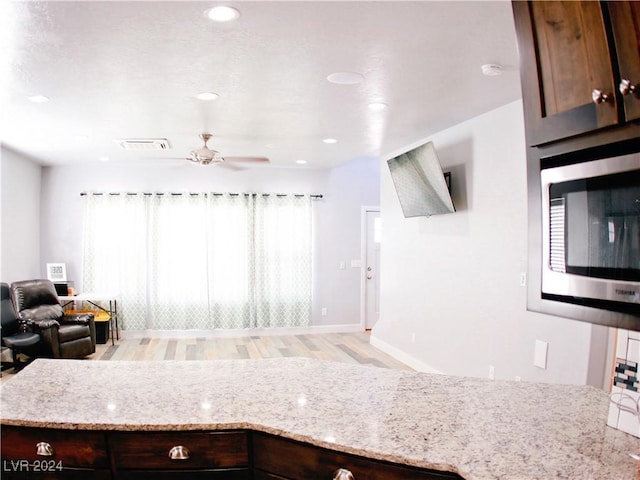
<point>247,159</point>
<point>229,166</point>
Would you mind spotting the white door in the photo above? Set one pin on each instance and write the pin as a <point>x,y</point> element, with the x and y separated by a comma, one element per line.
<point>372,268</point>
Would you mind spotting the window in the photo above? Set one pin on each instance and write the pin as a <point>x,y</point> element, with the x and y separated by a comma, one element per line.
<point>201,261</point>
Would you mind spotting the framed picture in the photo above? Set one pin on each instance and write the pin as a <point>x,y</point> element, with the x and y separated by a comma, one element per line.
<point>57,272</point>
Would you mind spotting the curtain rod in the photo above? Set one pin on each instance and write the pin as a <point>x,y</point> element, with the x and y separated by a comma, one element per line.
<point>82,194</point>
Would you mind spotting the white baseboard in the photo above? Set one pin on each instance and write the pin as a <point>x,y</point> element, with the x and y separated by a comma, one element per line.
<point>402,356</point>
<point>240,332</point>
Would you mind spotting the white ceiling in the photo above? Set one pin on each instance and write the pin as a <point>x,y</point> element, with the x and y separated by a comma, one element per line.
<point>132,69</point>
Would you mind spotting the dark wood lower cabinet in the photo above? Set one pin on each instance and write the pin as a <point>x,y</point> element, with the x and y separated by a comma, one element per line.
<point>275,458</point>
<point>48,450</point>
<point>48,454</point>
<point>205,450</point>
<point>44,454</point>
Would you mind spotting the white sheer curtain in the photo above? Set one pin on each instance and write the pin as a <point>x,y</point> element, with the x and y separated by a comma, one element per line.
<point>282,260</point>
<point>115,255</point>
<point>202,261</point>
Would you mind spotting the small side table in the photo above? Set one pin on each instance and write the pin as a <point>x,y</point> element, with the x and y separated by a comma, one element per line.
<point>93,298</point>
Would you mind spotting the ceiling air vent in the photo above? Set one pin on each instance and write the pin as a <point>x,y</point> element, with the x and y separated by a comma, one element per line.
<point>143,144</point>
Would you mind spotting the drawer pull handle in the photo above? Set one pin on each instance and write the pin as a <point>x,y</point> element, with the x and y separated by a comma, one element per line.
<point>44,449</point>
<point>626,87</point>
<point>179,453</point>
<point>598,96</point>
<point>343,474</point>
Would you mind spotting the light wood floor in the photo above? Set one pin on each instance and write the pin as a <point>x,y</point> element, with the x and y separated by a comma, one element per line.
<point>339,347</point>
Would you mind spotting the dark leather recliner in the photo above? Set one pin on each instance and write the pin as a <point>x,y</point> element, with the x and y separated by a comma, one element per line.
<point>16,335</point>
<point>63,336</point>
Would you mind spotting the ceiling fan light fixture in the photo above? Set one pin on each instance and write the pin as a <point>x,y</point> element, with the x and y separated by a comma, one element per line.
<point>222,13</point>
<point>206,157</point>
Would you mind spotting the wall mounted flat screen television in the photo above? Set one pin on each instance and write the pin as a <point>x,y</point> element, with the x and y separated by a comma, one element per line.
<point>420,183</point>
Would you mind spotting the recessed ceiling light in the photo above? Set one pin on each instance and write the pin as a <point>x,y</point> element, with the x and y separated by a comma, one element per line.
<point>330,140</point>
<point>104,159</point>
<point>345,78</point>
<point>491,69</point>
<point>301,162</point>
<point>38,99</point>
<point>377,106</point>
<point>222,14</point>
<point>207,96</point>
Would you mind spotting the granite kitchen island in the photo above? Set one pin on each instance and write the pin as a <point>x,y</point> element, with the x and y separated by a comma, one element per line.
<point>478,429</point>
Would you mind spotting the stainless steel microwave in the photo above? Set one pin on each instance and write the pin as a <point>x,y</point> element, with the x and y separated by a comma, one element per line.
<point>591,233</point>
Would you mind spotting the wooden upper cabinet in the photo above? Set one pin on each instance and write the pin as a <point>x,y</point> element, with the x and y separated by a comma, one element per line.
<point>569,66</point>
<point>625,21</point>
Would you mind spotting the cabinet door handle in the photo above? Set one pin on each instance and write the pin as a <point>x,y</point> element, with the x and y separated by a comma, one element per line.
<point>44,449</point>
<point>598,96</point>
<point>343,474</point>
<point>179,453</point>
<point>626,87</point>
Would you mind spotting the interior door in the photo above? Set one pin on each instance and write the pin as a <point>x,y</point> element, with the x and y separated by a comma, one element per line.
<point>372,268</point>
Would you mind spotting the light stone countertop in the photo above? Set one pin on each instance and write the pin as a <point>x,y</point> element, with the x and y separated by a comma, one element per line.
<point>481,429</point>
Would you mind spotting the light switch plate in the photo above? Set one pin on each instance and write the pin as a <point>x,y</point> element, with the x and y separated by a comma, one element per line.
<point>540,354</point>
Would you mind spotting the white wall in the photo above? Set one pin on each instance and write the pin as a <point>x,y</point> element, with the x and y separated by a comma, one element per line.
<point>336,216</point>
<point>20,213</point>
<point>349,187</point>
<point>454,280</point>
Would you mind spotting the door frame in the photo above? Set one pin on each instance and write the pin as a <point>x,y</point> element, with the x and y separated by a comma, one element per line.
<point>363,262</point>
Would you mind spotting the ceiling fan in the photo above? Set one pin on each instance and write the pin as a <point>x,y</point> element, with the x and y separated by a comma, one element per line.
<point>207,156</point>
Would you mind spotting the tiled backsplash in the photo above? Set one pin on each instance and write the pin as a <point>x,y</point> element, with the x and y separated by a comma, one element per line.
<point>624,408</point>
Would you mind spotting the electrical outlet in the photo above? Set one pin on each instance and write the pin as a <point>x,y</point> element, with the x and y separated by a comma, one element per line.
<point>492,372</point>
<point>523,279</point>
<point>518,379</point>
<point>324,311</point>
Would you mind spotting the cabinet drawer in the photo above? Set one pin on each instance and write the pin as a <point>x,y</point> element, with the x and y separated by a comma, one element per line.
<point>150,450</point>
<point>298,461</point>
<point>68,447</point>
